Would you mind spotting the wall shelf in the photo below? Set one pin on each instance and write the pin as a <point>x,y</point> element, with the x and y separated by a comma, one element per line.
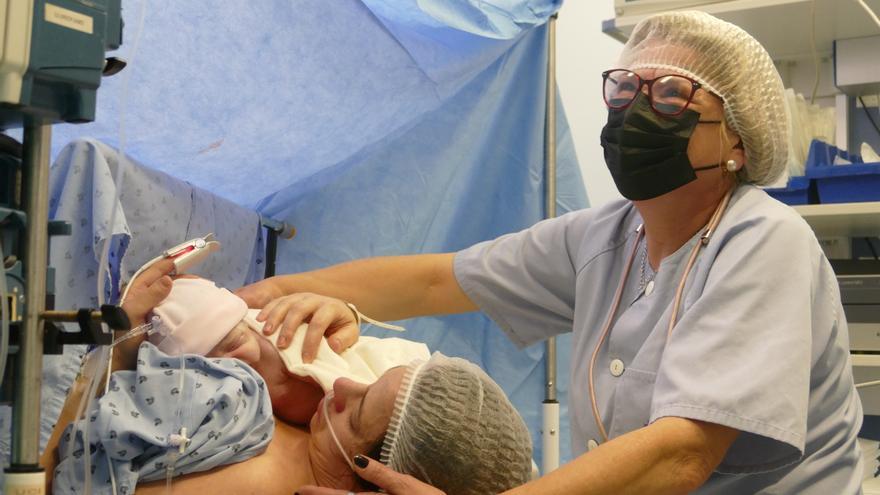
<point>782,26</point>
<point>843,219</point>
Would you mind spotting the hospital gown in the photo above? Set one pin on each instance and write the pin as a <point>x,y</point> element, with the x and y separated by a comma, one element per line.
<point>761,342</point>
<point>223,403</point>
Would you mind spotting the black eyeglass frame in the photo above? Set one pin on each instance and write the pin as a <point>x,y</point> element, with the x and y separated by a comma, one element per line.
<point>650,83</point>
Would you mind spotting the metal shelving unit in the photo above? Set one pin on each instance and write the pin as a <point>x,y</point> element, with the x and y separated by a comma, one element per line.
<point>843,219</point>
<point>782,26</point>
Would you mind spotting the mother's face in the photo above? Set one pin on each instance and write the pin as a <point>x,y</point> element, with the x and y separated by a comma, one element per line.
<point>359,414</point>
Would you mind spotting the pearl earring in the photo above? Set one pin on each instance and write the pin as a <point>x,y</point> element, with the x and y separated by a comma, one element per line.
<point>731,166</point>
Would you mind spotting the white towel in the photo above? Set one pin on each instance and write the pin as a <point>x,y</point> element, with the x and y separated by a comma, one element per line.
<point>364,362</point>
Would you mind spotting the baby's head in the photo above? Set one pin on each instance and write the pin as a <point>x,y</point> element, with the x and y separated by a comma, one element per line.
<point>198,317</point>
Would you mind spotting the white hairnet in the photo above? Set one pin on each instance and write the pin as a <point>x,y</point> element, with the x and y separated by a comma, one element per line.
<point>730,63</point>
<point>454,428</point>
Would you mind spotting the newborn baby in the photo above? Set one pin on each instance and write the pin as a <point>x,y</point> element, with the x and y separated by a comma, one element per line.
<point>198,317</point>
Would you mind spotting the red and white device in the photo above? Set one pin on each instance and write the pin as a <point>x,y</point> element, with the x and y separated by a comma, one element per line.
<point>191,253</point>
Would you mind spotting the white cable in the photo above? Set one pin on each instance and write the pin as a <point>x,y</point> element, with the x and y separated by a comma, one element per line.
<point>121,166</point>
<point>868,384</point>
<point>360,316</point>
<point>815,51</point>
<point>177,441</point>
<point>869,11</point>
<point>327,398</point>
<point>104,354</point>
<point>4,316</point>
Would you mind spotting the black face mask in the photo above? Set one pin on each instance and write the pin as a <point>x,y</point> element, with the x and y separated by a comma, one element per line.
<point>647,153</point>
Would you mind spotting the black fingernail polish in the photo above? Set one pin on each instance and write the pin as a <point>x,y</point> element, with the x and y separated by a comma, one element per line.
<point>361,461</point>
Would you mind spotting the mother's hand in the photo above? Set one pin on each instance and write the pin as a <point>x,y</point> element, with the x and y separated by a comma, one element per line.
<point>147,291</point>
<point>325,316</point>
<point>380,475</point>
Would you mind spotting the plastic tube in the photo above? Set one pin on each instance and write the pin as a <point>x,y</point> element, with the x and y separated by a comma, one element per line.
<point>870,12</point>
<point>119,177</point>
<point>103,356</point>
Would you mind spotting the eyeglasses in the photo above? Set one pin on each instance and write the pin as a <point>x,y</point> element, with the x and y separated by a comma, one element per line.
<point>669,95</point>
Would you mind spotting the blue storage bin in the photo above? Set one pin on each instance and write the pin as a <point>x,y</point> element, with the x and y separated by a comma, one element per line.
<point>796,192</point>
<point>822,154</point>
<point>847,183</point>
<point>841,183</point>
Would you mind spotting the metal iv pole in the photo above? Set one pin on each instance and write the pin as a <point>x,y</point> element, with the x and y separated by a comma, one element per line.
<point>550,430</point>
<point>25,474</point>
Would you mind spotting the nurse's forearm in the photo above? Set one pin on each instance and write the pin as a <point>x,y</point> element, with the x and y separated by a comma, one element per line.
<point>388,288</point>
<point>671,456</point>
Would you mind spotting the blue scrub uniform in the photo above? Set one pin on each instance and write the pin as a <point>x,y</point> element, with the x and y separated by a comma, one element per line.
<point>761,342</point>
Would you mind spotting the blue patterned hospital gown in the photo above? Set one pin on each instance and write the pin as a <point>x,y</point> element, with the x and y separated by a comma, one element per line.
<point>223,403</point>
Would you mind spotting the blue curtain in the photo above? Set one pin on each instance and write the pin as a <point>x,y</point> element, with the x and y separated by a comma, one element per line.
<point>374,127</point>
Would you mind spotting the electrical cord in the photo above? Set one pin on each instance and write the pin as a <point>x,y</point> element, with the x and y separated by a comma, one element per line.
<point>871,247</point>
<point>873,383</point>
<point>4,316</point>
<point>815,51</point>
<point>870,12</point>
<point>868,114</point>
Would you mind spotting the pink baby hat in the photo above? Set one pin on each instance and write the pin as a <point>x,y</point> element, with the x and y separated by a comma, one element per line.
<point>195,317</point>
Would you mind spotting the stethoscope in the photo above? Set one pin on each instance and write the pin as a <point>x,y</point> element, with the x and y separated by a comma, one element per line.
<point>640,232</point>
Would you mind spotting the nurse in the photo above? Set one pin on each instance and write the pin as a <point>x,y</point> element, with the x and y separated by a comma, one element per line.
<point>710,348</point>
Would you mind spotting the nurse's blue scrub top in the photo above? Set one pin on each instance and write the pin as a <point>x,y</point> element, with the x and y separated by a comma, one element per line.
<point>761,342</point>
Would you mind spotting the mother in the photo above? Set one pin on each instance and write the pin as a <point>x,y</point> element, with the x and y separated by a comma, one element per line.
<point>443,421</point>
<point>717,361</point>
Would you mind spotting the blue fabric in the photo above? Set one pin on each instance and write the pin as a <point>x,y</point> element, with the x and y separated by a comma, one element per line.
<point>503,19</point>
<point>223,404</point>
<point>156,212</point>
<point>466,172</point>
<point>372,126</point>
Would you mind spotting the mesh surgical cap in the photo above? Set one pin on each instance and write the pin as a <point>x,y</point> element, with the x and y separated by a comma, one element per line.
<point>730,63</point>
<point>454,428</point>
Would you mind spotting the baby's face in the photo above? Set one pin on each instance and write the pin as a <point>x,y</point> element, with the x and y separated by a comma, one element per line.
<point>242,343</point>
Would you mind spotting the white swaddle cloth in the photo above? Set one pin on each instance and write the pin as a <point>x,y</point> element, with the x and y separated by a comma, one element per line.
<point>364,362</point>
<point>197,314</point>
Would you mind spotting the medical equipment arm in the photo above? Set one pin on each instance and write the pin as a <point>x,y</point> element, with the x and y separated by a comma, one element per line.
<point>670,456</point>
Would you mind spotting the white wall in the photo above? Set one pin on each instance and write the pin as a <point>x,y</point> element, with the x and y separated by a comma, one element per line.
<point>583,51</point>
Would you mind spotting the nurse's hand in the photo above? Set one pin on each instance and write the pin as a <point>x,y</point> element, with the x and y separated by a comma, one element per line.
<point>259,294</point>
<point>326,316</point>
<point>382,476</point>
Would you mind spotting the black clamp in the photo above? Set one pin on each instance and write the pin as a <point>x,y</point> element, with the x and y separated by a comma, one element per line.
<point>90,329</point>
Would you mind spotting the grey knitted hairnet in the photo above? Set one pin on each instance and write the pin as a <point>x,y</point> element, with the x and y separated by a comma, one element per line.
<point>454,428</point>
<point>730,63</point>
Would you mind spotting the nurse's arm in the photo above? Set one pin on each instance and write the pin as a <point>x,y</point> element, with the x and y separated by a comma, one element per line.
<point>386,288</point>
<point>670,456</point>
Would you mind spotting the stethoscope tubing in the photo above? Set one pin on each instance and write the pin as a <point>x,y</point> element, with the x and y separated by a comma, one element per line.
<point>640,232</point>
